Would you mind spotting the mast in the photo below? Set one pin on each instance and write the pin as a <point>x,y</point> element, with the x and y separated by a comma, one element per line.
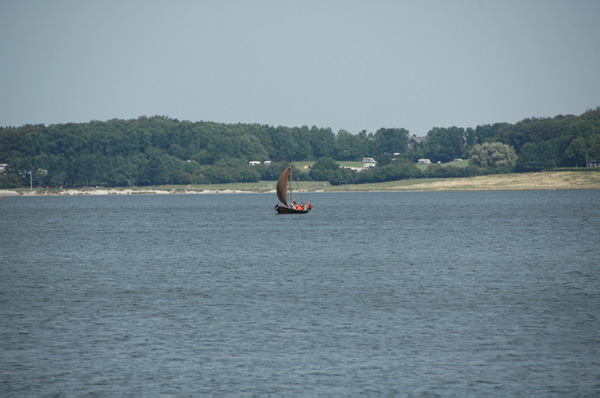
<point>291,201</point>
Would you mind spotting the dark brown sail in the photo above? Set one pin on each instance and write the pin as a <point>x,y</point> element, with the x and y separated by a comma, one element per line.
<point>282,186</point>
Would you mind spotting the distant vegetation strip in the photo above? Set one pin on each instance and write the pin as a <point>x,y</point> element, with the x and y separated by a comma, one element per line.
<point>148,152</point>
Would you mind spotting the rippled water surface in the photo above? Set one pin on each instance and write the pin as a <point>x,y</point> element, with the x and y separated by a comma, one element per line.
<point>457,292</point>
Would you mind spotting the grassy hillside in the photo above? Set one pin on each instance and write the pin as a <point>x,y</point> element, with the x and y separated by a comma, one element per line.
<point>524,181</point>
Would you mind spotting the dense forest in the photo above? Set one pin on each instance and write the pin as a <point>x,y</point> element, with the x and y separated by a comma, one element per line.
<point>159,150</point>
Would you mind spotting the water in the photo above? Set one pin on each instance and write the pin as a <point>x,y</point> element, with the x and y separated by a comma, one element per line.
<point>411,293</point>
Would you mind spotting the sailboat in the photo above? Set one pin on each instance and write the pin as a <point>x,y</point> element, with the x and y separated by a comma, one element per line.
<point>282,193</point>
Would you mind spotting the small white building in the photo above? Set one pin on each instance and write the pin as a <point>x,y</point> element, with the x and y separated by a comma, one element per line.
<point>588,163</point>
<point>267,162</point>
<point>369,162</point>
<point>424,161</point>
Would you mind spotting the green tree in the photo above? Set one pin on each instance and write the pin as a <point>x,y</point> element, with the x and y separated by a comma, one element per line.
<point>322,142</point>
<point>302,137</point>
<point>219,175</point>
<point>350,147</point>
<point>574,155</point>
<point>325,169</point>
<point>390,140</point>
<point>177,151</point>
<point>10,181</point>
<point>534,130</point>
<point>536,157</point>
<point>156,171</point>
<point>594,151</point>
<point>484,133</point>
<point>272,172</point>
<point>284,143</point>
<point>125,173</point>
<point>445,144</point>
<point>493,155</point>
<point>439,171</point>
<point>326,164</point>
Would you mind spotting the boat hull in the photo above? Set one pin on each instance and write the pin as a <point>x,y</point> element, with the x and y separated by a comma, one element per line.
<point>287,210</point>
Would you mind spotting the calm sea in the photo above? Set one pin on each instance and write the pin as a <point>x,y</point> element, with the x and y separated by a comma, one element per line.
<point>409,293</point>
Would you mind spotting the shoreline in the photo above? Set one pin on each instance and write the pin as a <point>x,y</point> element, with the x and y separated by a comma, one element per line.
<point>551,180</point>
<point>115,191</point>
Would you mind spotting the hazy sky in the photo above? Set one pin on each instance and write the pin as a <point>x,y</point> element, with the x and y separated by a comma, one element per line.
<point>345,64</point>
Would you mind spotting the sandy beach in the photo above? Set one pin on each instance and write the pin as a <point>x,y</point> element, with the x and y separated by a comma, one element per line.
<point>110,191</point>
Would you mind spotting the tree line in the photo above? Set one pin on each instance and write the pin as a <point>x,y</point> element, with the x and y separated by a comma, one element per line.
<point>160,150</point>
